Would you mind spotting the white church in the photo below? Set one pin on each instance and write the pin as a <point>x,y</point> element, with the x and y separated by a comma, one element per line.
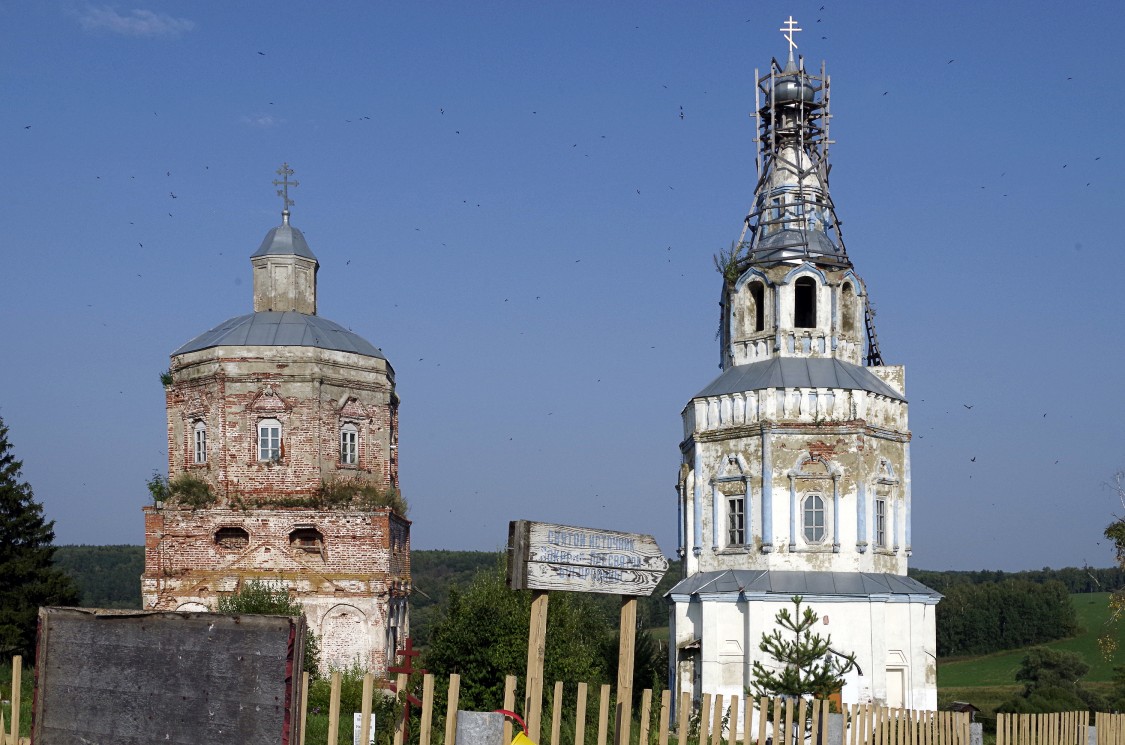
<point>795,467</point>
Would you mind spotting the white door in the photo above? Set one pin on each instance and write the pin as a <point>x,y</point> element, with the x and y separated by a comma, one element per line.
<point>896,687</point>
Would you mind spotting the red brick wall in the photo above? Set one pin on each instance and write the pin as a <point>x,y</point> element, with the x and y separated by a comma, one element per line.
<point>360,571</point>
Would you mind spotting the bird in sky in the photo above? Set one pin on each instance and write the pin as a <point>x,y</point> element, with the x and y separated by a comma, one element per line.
<point>968,406</point>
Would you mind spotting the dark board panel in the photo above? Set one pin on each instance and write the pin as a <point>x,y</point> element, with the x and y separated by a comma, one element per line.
<point>128,677</point>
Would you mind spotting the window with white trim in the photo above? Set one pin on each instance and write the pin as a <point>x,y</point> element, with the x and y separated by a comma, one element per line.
<point>269,440</point>
<point>736,520</point>
<point>758,294</point>
<point>880,523</point>
<point>199,443</point>
<point>804,303</point>
<point>349,445</point>
<point>813,518</point>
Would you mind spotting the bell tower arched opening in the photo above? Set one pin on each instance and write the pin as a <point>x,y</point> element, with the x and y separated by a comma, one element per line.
<point>804,303</point>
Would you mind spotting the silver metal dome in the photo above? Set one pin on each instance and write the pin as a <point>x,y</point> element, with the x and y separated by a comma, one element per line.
<point>276,329</point>
<point>285,240</point>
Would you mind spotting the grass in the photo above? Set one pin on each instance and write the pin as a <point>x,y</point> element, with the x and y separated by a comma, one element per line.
<point>999,669</point>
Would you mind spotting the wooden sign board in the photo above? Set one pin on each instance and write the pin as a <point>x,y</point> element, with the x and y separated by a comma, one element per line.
<point>544,556</point>
<point>142,677</point>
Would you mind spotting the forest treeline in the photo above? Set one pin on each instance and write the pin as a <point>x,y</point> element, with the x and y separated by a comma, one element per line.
<point>983,611</point>
<point>990,611</point>
<point>1075,579</point>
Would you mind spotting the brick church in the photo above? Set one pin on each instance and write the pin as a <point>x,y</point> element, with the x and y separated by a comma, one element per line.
<point>283,467</point>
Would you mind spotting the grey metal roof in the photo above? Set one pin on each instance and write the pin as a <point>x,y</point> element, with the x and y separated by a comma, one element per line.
<point>284,240</point>
<point>281,329</point>
<point>800,583</point>
<point>784,245</point>
<point>798,372</point>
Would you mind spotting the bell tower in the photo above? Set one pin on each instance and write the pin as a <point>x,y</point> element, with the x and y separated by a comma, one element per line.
<point>794,473</point>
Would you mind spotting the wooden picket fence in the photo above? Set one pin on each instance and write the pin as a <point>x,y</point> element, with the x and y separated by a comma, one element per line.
<point>1060,728</point>
<point>735,720</point>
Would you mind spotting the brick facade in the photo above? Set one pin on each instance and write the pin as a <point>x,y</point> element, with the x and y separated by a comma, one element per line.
<point>293,509</point>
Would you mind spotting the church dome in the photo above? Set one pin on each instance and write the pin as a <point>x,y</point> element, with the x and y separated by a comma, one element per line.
<point>793,88</point>
<point>285,240</point>
<point>281,329</point>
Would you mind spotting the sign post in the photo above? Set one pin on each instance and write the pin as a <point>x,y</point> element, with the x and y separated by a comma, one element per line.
<point>544,557</point>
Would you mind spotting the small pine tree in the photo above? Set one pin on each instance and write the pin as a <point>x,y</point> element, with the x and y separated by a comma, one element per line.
<point>809,665</point>
<point>28,576</point>
<point>259,597</point>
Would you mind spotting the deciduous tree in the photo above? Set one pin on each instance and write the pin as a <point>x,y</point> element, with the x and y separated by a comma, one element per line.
<point>482,636</point>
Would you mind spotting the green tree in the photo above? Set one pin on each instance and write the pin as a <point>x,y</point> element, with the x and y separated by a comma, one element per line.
<point>482,636</point>
<point>259,597</point>
<point>1115,531</point>
<point>808,664</point>
<point>1051,681</point>
<point>28,576</point>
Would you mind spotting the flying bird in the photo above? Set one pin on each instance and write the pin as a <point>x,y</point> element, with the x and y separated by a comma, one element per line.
<point>967,406</point>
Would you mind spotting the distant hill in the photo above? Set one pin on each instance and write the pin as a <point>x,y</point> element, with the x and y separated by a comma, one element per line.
<point>107,576</point>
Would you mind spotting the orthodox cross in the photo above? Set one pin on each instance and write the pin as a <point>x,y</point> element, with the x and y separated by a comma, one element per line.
<point>406,669</point>
<point>787,31</point>
<point>285,172</point>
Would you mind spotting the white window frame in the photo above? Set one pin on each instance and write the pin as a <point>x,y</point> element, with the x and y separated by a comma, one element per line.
<point>880,523</point>
<point>736,520</point>
<point>349,445</point>
<point>269,440</point>
<point>199,443</point>
<point>809,512</point>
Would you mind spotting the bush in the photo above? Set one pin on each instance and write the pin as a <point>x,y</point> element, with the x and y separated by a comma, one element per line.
<point>186,489</point>
<point>191,491</point>
<point>363,495</point>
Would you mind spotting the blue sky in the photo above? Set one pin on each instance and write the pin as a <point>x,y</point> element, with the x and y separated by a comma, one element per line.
<point>505,198</point>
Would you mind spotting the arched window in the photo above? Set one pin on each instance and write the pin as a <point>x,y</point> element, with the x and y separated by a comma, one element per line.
<point>804,303</point>
<point>758,294</point>
<point>848,310</point>
<point>813,518</point>
<point>199,443</point>
<point>269,440</point>
<point>349,445</point>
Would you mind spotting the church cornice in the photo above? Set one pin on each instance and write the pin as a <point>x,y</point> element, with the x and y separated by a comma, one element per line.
<point>283,378</point>
<point>853,427</point>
